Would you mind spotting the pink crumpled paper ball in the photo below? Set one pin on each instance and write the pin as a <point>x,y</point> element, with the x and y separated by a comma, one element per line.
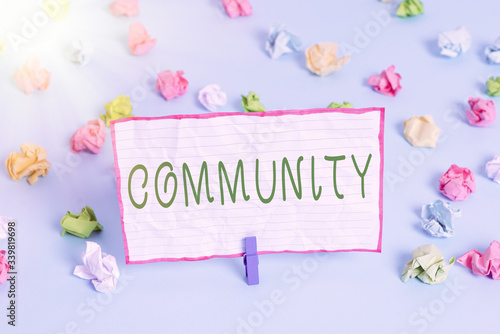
<point>4,267</point>
<point>139,40</point>
<point>237,8</point>
<point>457,183</point>
<point>91,137</point>
<point>482,112</point>
<point>124,7</point>
<point>32,77</point>
<point>484,264</point>
<point>387,82</point>
<point>171,84</point>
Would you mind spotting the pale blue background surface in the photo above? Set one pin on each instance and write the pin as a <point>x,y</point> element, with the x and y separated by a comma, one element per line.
<point>299,293</point>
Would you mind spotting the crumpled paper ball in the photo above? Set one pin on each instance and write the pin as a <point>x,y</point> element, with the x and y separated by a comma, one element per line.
<point>171,85</point>
<point>280,41</point>
<point>437,218</point>
<point>80,52</point>
<point>117,109</point>
<point>80,224</point>
<point>124,7</point>
<point>492,52</point>
<point>4,226</point>
<point>99,267</point>
<point>409,8</point>
<point>236,8</point>
<point>211,97</point>
<point>481,113</point>
<point>251,103</point>
<point>335,105</point>
<point>493,85</point>
<point>484,264</point>
<point>493,169</point>
<point>421,131</point>
<point>30,162</point>
<point>139,40</point>
<point>321,58</point>
<point>455,42</point>
<point>387,83</point>
<point>56,9</point>
<point>91,137</point>
<point>428,265</point>
<point>32,77</point>
<point>4,267</point>
<point>457,183</point>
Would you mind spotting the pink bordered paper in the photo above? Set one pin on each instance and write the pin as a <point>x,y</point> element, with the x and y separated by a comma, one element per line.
<point>335,204</point>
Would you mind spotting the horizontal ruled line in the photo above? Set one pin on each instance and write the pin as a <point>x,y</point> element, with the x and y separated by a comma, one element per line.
<point>260,237</point>
<point>179,126</point>
<point>217,218</point>
<point>275,206</point>
<point>246,143</point>
<point>240,241</point>
<point>128,228</point>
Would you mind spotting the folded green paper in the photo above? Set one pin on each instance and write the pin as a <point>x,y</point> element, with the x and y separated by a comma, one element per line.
<point>335,105</point>
<point>80,225</point>
<point>428,265</point>
<point>493,85</point>
<point>409,8</point>
<point>251,103</point>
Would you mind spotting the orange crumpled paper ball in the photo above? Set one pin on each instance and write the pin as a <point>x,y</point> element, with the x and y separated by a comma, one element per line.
<point>321,58</point>
<point>31,162</point>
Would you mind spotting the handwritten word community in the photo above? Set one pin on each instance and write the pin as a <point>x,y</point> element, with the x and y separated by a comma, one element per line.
<point>224,181</point>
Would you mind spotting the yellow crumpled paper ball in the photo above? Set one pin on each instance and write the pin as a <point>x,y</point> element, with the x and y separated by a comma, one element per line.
<point>56,9</point>
<point>117,109</point>
<point>322,60</point>
<point>31,162</point>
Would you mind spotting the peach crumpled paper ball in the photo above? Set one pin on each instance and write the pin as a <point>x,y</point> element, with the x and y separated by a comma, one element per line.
<point>30,162</point>
<point>124,7</point>
<point>322,60</point>
<point>139,40</point>
<point>32,77</point>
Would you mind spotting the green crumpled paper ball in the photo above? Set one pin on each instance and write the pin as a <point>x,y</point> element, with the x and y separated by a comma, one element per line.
<point>335,105</point>
<point>251,103</point>
<point>428,265</point>
<point>409,8</point>
<point>80,225</point>
<point>493,85</point>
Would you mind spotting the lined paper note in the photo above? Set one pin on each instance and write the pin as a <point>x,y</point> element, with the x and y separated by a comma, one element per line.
<point>318,189</point>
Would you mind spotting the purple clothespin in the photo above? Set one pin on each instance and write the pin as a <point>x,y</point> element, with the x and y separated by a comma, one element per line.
<point>251,261</point>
